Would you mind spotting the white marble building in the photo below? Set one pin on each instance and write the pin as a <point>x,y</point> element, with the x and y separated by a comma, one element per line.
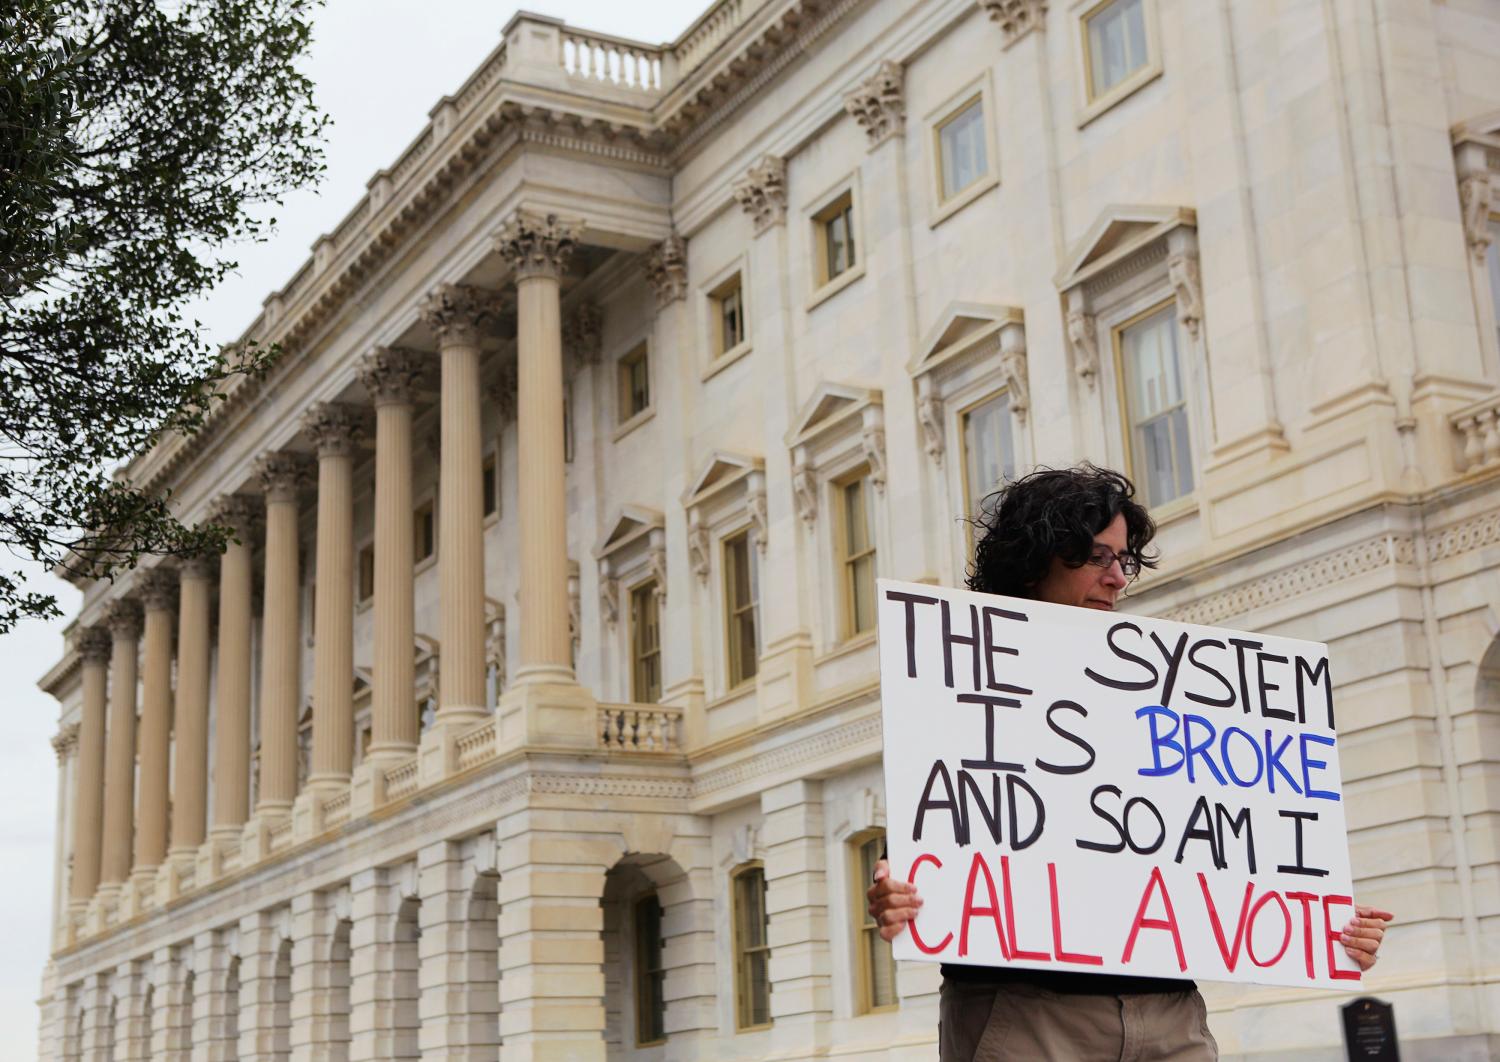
<point>536,713</point>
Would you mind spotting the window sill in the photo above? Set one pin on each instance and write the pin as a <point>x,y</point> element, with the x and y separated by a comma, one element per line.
<point>365,605</point>
<point>633,423</point>
<point>491,519</point>
<point>1136,81</point>
<point>724,360</point>
<point>945,210</point>
<point>836,285</point>
<point>423,564</point>
<point>744,689</point>
<point>854,644</point>
<point>1175,510</point>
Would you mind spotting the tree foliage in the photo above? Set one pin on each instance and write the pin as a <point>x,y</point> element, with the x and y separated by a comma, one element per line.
<point>139,140</point>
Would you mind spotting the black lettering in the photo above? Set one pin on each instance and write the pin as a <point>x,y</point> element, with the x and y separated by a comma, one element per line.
<point>1124,654</point>
<point>1235,824</point>
<point>1161,827</point>
<point>1240,645</point>
<point>1101,846</point>
<point>1017,842</point>
<point>1300,866</point>
<point>1315,675</point>
<point>1173,658</point>
<point>989,763</point>
<point>950,640</point>
<point>1266,687</point>
<point>1212,702</point>
<point>990,813</point>
<point>927,803</point>
<point>991,650</point>
<point>1194,832</point>
<point>911,601</point>
<point>1068,735</point>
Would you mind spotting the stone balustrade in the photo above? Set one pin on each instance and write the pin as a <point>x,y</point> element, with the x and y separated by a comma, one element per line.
<point>640,728</point>
<point>613,60</point>
<point>401,780</point>
<point>477,746</point>
<point>1478,428</point>
<point>711,29</point>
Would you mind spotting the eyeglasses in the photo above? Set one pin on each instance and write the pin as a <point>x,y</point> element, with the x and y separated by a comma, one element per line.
<point>1103,557</point>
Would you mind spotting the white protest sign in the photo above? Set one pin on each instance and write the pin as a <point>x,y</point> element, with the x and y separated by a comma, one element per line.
<point>1073,789</point>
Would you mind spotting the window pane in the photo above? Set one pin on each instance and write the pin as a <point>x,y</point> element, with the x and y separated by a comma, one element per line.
<point>651,1010</point>
<point>1117,43</point>
<point>640,386</point>
<point>864,594</point>
<point>856,523</point>
<point>752,963</point>
<point>1492,257</point>
<point>963,149</point>
<point>489,486</point>
<point>731,317</point>
<point>837,234</point>
<point>646,644</point>
<point>989,454</point>
<point>1158,413</point>
<point>739,595</point>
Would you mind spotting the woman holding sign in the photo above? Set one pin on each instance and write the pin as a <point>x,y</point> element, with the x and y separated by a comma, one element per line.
<point>1070,537</point>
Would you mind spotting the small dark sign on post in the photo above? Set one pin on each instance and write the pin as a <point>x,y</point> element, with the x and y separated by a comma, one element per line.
<point>1370,1031</point>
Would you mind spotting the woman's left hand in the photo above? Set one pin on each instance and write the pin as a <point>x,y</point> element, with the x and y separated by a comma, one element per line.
<point>1363,933</point>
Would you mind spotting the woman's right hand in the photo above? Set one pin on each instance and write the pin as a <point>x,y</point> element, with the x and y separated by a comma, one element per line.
<point>893,903</point>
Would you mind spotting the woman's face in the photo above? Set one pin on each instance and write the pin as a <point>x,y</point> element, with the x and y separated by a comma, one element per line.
<point>1090,586</point>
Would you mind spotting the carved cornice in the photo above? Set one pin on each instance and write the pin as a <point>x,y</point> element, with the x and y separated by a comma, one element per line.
<point>391,375</point>
<point>538,245</point>
<point>1013,368</point>
<point>282,475</point>
<point>94,645</point>
<point>879,104</point>
<point>458,313</point>
<point>1182,274</point>
<point>157,588</point>
<point>666,270</point>
<point>334,428</point>
<point>1016,18</point>
<point>762,193</point>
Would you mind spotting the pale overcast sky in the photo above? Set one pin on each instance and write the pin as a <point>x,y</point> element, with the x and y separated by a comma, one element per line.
<point>379,65</point>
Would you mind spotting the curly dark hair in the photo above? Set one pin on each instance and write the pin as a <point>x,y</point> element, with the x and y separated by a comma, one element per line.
<point>1052,512</point>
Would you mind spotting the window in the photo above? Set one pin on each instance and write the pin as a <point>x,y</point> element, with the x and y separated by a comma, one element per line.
<point>962,154</point>
<point>877,964</point>
<point>491,484</point>
<point>857,549</point>
<point>752,953</point>
<point>635,384</point>
<point>989,453</point>
<point>367,572</point>
<point>834,225</point>
<point>645,645</point>
<point>1116,33</point>
<point>1158,442</point>
<point>740,602</point>
<point>650,974</point>
<point>1492,260</point>
<point>727,305</point>
<point>568,423</point>
<point>424,538</point>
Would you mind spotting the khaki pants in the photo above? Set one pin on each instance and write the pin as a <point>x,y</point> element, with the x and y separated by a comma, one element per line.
<point>998,1023</point>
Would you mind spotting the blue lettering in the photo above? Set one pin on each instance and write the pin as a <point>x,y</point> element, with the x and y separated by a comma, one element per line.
<point>1260,763</point>
<point>1309,764</point>
<point>1273,764</point>
<point>1160,740</point>
<point>1199,749</point>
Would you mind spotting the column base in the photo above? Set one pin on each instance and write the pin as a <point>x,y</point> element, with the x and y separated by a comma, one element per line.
<point>210,857</point>
<point>437,754</point>
<point>367,787</point>
<point>309,810</point>
<point>255,838</point>
<point>103,909</point>
<point>140,892</point>
<point>547,715</point>
<point>177,875</point>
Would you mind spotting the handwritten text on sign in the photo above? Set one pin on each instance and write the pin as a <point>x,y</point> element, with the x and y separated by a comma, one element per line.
<point>1092,791</point>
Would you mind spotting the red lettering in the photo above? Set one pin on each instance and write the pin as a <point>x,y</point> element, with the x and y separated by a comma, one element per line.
<point>1334,936</point>
<point>1057,945</point>
<point>993,910</point>
<point>911,878</point>
<point>1306,899</point>
<point>1010,917</point>
<point>1286,913</point>
<point>1142,922</point>
<point>1231,955</point>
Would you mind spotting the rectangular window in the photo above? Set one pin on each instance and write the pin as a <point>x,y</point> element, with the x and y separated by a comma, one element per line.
<point>1492,260</point>
<point>645,645</point>
<point>650,974</point>
<point>367,572</point>
<point>835,227</point>
<point>424,538</point>
<point>752,952</point>
<point>727,303</point>
<point>989,454</point>
<point>568,423</point>
<point>740,605</point>
<point>1160,447</point>
<point>635,383</point>
<point>1116,43</point>
<point>491,484</point>
<point>962,149</point>
<point>857,549</point>
<point>877,964</point>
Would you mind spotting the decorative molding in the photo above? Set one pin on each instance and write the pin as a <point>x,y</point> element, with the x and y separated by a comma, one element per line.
<point>123,618</point>
<point>762,193</point>
<point>459,313</point>
<point>666,270</point>
<point>65,742</point>
<point>609,593</point>
<point>575,606</point>
<point>755,503</point>
<point>1475,195</point>
<point>1084,341</point>
<point>238,512</point>
<point>283,474</point>
<point>872,443</point>
<point>1013,368</point>
<point>1479,532</point>
<point>656,562</point>
<point>157,588</point>
<point>1182,274</point>
<point>745,845</point>
<point>538,245</point>
<point>879,104</point>
<point>391,375</point>
<point>863,810</point>
<point>1016,18</point>
<point>930,417</point>
<point>583,333</point>
<point>94,644</point>
<point>334,428</point>
<point>699,543</point>
<point>805,493</point>
<point>793,754</point>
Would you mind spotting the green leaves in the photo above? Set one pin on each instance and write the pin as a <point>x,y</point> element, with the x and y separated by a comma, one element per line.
<point>138,140</point>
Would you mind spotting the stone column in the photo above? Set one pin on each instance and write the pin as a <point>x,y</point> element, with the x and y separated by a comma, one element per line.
<point>158,592</point>
<point>88,772</point>
<point>282,475</point>
<point>390,376</point>
<point>335,430</point>
<point>457,314</point>
<point>119,757</point>
<point>538,249</point>
<point>190,722</point>
<point>232,711</point>
<point>797,907</point>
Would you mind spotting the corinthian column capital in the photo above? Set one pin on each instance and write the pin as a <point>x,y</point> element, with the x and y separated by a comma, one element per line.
<point>65,741</point>
<point>666,270</point>
<point>879,104</point>
<point>282,475</point>
<point>458,312</point>
<point>762,193</point>
<point>1016,18</point>
<point>538,245</point>
<point>334,428</point>
<point>94,645</point>
<point>391,374</point>
<point>157,588</point>
<point>123,618</point>
<point>238,512</point>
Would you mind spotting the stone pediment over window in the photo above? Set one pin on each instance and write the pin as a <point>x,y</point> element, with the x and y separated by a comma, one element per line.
<point>727,486</point>
<point>1128,247</point>
<point>835,421</point>
<point>966,336</point>
<point>635,547</point>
